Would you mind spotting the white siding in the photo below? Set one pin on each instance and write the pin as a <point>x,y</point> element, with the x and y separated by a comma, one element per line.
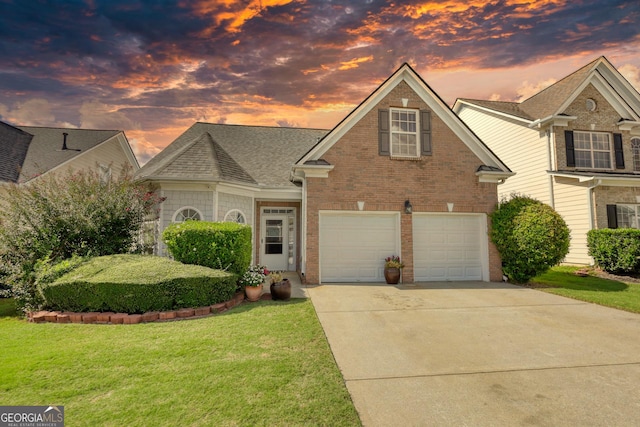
<point>572,202</point>
<point>109,153</point>
<point>177,199</point>
<point>522,149</point>
<point>227,202</point>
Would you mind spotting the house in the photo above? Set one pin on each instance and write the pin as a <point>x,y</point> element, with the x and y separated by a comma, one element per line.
<point>27,152</point>
<point>401,174</point>
<point>575,146</point>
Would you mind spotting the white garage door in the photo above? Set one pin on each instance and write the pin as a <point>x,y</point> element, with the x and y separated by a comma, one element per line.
<point>449,247</point>
<point>353,245</point>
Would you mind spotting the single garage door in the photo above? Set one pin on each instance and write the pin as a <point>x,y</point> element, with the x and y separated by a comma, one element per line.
<point>353,245</point>
<point>449,247</point>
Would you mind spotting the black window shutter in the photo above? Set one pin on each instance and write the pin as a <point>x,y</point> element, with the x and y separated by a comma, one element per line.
<point>571,156</point>
<point>617,145</point>
<point>383,133</point>
<point>612,216</point>
<point>425,133</point>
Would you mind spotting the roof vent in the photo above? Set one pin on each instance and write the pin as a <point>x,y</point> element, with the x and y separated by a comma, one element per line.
<point>64,143</point>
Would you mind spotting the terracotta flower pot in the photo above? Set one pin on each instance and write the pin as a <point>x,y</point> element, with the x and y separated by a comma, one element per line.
<point>253,292</point>
<point>281,290</point>
<point>392,275</point>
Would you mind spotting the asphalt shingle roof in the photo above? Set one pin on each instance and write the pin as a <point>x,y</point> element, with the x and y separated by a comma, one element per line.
<point>257,155</point>
<point>544,103</point>
<point>14,144</point>
<point>45,150</point>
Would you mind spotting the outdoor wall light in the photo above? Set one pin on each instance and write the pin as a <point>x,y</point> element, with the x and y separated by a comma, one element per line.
<point>407,207</point>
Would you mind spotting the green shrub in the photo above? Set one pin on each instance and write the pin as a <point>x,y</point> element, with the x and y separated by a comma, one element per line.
<point>221,245</point>
<point>58,215</point>
<point>530,236</point>
<point>615,250</point>
<point>137,284</point>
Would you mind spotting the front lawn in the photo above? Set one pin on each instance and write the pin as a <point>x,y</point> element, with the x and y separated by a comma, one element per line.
<point>265,363</point>
<point>561,280</point>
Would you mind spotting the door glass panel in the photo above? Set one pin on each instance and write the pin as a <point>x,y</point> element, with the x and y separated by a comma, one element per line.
<point>273,243</point>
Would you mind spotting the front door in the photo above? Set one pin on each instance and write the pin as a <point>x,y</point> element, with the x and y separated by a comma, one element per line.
<point>274,242</point>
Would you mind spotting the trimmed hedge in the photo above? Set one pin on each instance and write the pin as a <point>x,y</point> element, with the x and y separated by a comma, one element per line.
<point>137,284</point>
<point>221,245</point>
<point>615,250</point>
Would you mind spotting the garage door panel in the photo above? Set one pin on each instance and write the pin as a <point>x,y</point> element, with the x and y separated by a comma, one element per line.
<point>448,247</point>
<point>353,246</point>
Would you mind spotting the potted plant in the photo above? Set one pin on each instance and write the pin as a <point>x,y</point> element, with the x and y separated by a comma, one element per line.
<point>280,287</point>
<point>392,269</point>
<point>252,281</point>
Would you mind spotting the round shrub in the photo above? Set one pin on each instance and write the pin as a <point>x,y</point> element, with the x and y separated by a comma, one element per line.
<point>221,245</point>
<point>136,284</point>
<point>530,236</point>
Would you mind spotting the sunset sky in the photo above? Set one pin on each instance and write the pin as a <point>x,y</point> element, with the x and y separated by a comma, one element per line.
<point>153,68</point>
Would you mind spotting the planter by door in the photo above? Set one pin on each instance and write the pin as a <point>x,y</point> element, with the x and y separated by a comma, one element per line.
<point>253,292</point>
<point>392,275</point>
<point>281,290</point>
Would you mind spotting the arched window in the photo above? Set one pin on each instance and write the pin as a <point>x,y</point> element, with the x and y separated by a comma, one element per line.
<point>235,215</point>
<point>187,214</point>
<point>635,149</point>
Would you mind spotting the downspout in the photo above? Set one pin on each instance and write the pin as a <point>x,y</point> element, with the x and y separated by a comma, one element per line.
<point>551,142</point>
<point>591,195</point>
<point>303,220</point>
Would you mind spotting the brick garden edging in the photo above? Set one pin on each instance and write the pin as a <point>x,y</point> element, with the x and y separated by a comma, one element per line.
<point>130,319</point>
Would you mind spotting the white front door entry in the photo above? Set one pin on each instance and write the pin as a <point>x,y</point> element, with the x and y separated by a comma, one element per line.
<point>274,243</point>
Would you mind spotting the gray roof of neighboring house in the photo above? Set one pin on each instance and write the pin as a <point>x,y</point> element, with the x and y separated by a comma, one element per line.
<point>45,150</point>
<point>14,144</point>
<point>255,155</point>
<point>544,103</point>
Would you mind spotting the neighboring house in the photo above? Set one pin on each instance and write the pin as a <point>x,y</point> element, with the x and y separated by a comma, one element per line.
<point>401,174</point>
<point>575,145</point>
<point>27,152</point>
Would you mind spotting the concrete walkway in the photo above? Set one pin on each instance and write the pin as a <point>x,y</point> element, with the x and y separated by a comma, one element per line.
<point>481,354</point>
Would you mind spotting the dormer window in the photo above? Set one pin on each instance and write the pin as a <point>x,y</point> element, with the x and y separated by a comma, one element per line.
<point>404,133</point>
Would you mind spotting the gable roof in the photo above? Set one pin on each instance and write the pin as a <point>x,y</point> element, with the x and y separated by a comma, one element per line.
<point>45,150</point>
<point>253,155</point>
<point>14,144</point>
<point>436,104</point>
<point>554,99</point>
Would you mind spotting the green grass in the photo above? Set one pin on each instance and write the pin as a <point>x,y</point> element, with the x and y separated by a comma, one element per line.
<point>265,363</point>
<point>611,293</point>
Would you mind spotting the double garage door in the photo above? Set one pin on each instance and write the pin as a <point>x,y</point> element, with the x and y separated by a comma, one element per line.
<point>445,246</point>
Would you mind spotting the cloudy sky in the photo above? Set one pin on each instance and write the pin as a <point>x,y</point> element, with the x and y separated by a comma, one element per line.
<point>153,68</point>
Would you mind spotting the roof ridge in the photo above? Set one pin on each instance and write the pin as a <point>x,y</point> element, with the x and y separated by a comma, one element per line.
<point>259,126</point>
<point>227,164</point>
<point>563,79</point>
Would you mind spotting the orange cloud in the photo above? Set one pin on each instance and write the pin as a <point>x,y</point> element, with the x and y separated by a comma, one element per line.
<point>235,12</point>
<point>347,65</point>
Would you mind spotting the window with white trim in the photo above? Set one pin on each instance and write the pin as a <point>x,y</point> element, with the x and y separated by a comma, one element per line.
<point>635,149</point>
<point>404,133</point>
<point>592,150</point>
<point>627,216</point>
<point>187,214</point>
<point>235,215</point>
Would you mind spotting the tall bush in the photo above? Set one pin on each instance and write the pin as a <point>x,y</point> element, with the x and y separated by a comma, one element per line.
<point>220,245</point>
<point>530,236</point>
<point>58,215</point>
<point>615,250</point>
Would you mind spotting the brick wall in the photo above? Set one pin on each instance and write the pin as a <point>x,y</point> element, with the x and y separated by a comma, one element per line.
<point>604,119</point>
<point>360,174</point>
<point>607,195</point>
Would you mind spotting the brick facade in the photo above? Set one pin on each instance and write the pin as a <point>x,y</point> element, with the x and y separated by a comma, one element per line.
<point>361,174</point>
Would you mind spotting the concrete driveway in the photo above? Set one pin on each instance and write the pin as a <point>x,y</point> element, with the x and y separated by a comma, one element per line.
<point>481,354</point>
